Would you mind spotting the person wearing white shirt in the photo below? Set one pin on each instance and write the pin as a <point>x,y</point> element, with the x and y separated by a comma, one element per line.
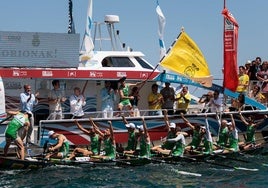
<point>27,102</point>
<point>215,103</point>
<point>77,101</point>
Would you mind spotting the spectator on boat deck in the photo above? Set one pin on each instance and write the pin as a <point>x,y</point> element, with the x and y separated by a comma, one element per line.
<point>247,67</point>
<point>168,94</point>
<point>131,143</point>
<point>238,104</point>
<point>183,100</point>
<point>55,98</point>
<point>124,95</point>
<point>168,144</point>
<point>43,90</point>
<point>77,101</point>
<point>59,150</point>
<point>243,81</point>
<point>232,137</point>
<point>250,133</point>
<point>262,76</point>
<point>256,94</point>
<point>27,102</point>
<point>205,101</point>
<point>19,121</point>
<point>215,103</point>
<point>155,101</point>
<point>108,96</point>
<point>109,143</point>
<point>95,141</point>
<point>135,93</point>
<point>144,139</point>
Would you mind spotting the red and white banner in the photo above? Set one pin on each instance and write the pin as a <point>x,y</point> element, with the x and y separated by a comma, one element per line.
<point>230,41</point>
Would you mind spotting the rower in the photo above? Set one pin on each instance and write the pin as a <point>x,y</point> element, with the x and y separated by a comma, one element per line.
<point>131,144</point>
<point>144,138</point>
<point>95,140</point>
<point>166,147</point>
<point>251,128</point>
<point>179,143</point>
<point>232,136</point>
<point>59,150</point>
<point>197,138</point>
<point>109,143</point>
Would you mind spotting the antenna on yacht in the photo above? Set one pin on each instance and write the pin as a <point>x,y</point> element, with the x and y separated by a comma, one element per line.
<point>122,45</point>
<point>110,20</point>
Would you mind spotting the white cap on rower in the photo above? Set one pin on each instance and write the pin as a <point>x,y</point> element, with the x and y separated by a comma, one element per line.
<point>140,127</point>
<point>50,133</point>
<point>172,125</point>
<point>130,125</point>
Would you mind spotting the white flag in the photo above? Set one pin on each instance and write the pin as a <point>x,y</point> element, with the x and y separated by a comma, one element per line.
<point>88,43</point>
<point>161,24</point>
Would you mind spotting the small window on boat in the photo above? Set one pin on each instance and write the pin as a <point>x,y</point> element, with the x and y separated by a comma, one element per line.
<point>121,62</point>
<point>106,62</point>
<point>143,63</point>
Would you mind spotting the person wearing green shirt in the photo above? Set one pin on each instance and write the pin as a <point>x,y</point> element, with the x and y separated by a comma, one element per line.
<point>20,121</point>
<point>222,134</point>
<point>109,145</point>
<point>145,142</point>
<point>197,135</point>
<point>232,136</point>
<point>167,146</point>
<point>61,149</point>
<point>131,143</point>
<point>250,133</point>
<point>94,141</point>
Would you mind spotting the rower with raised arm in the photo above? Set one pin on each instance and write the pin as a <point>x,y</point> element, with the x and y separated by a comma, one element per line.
<point>232,136</point>
<point>207,138</point>
<point>223,133</point>
<point>95,141</point>
<point>166,147</point>
<point>251,128</point>
<point>109,143</point>
<point>144,138</point>
<point>196,139</point>
<point>132,142</point>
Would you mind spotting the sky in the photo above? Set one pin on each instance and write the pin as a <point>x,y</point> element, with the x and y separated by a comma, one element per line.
<point>201,19</point>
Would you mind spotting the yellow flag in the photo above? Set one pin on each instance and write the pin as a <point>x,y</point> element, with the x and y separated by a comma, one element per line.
<point>186,58</point>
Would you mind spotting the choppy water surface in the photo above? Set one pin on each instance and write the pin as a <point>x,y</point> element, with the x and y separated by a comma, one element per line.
<point>252,174</point>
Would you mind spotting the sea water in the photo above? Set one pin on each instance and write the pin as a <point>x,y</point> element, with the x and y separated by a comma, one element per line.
<point>151,175</point>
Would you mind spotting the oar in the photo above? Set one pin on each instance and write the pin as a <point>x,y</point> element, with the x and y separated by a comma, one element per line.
<point>7,118</point>
<point>234,159</point>
<point>231,167</point>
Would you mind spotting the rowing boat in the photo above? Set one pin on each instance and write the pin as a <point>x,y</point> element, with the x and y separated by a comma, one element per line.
<point>37,162</point>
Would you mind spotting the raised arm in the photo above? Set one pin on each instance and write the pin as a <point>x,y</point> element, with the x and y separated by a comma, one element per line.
<point>111,132</point>
<point>187,122</point>
<point>233,121</point>
<point>145,129</point>
<point>96,127</point>
<point>243,119</point>
<point>124,119</point>
<point>81,127</point>
<point>166,119</point>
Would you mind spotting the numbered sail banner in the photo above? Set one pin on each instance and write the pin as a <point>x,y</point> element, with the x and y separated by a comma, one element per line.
<point>185,58</point>
<point>230,40</point>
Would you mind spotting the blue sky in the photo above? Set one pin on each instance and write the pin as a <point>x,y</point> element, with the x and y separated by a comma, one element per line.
<point>138,25</point>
